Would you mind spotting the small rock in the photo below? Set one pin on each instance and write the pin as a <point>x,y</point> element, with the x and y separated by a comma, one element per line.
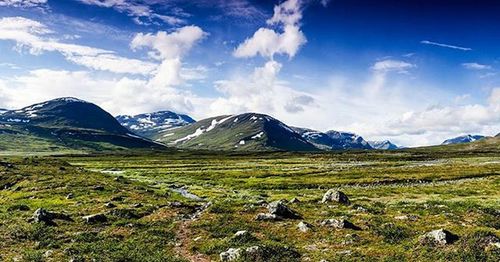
<point>242,233</point>
<point>43,216</point>
<point>344,252</point>
<point>231,254</point>
<point>350,239</point>
<point>138,205</point>
<point>48,253</point>
<point>261,203</point>
<point>439,237</point>
<point>279,208</point>
<point>407,217</point>
<point>95,218</point>
<point>335,196</point>
<point>117,198</point>
<point>294,200</point>
<point>339,223</point>
<point>98,188</point>
<point>69,196</point>
<point>304,226</point>
<point>267,217</point>
<point>109,205</point>
<point>254,253</point>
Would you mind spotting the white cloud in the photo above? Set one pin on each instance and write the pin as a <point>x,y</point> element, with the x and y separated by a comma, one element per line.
<point>262,91</point>
<point>23,3</point>
<point>392,65</point>
<point>169,48</point>
<point>426,42</point>
<point>136,9</point>
<point>35,37</point>
<point>117,95</point>
<point>476,66</point>
<point>267,42</point>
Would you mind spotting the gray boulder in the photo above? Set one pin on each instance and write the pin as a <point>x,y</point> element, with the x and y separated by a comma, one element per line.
<point>267,217</point>
<point>95,218</point>
<point>333,195</point>
<point>231,254</point>
<point>44,216</point>
<point>439,237</point>
<point>339,223</point>
<point>279,208</point>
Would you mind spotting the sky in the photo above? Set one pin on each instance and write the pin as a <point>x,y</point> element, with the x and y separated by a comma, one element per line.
<point>413,72</point>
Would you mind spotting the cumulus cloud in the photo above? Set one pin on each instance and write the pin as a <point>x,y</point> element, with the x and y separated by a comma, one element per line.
<point>35,37</point>
<point>262,91</point>
<point>122,95</point>
<point>476,66</point>
<point>268,42</point>
<point>169,48</point>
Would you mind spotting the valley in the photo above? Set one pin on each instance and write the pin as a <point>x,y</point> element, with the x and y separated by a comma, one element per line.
<point>190,206</point>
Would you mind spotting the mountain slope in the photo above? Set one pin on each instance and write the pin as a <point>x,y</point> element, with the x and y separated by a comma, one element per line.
<point>244,132</point>
<point>463,139</point>
<point>333,140</point>
<point>66,124</point>
<point>383,145</point>
<point>153,124</point>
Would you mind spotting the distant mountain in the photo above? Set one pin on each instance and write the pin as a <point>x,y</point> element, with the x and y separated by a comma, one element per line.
<point>333,140</point>
<point>463,139</point>
<point>244,132</point>
<point>3,110</point>
<point>151,125</point>
<point>67,123</point>
<point>384,145</point>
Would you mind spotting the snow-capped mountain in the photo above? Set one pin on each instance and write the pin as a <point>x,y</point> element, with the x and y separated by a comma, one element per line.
<point>151,125</point>
<point>3,110</point>
<point>384,145</point>
<point>463,139</point>
<point>244,132</point>
<point>333,140</point>
<point>70,123</point>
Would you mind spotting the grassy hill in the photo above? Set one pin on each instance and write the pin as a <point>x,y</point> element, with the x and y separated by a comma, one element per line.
<point>244,132</point>
<point>65,125</point>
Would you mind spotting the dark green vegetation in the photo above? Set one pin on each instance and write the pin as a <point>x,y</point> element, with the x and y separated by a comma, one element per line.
<point>396,196</point>
<point>65,125</point>
<point>244,132</point>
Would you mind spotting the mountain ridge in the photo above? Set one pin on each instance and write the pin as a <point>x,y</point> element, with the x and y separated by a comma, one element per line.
<point>150,125</point>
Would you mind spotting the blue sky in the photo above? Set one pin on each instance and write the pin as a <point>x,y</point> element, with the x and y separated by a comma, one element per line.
<point>414,72</point>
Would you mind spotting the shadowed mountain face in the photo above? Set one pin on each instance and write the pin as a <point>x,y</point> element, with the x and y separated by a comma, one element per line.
<point>151,125</point>
<point>249,131</point>
<point>333,140</point>
<point>463,139</point>
<point>67,123</point>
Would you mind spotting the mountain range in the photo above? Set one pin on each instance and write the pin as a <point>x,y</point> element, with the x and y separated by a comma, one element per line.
<point>153,124</point>
<point>66,124</point>
<point>463,139</point>
<point>71,124</point>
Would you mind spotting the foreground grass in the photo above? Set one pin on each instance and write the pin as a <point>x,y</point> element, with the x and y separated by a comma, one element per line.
<point>433,189</point>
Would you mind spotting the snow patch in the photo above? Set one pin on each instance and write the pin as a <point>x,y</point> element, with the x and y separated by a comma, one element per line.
<point>257,136</point>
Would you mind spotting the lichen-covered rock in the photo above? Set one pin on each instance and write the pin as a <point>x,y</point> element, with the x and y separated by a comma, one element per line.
<point>439,237</point>
<point>338,223</point>
<point>304,226</point>
<point>267,217</point>
<point>335,196</point>
<point>231,254</point>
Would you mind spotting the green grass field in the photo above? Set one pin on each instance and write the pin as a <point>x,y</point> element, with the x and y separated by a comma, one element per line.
<point>455,190</point>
